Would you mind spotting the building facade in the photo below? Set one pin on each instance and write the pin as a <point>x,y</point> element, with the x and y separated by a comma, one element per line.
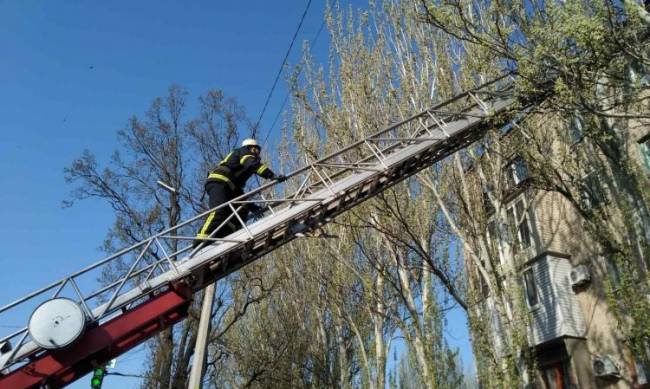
<point>556,271</point>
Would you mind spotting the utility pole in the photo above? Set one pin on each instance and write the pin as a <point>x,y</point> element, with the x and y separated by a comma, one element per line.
<point>201,347</point>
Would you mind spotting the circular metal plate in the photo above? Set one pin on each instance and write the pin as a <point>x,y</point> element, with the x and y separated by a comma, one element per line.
<point>56,323</point>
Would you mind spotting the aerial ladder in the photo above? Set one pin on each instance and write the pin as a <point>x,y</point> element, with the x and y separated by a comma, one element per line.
<point>77,324</point>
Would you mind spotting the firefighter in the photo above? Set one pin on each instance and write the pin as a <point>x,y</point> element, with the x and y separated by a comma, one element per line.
<point>226,182</point>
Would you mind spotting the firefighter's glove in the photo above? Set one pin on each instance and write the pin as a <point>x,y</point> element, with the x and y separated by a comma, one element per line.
<point>280,178</point>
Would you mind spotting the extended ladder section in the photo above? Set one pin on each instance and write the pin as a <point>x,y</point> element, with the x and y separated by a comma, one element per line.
<point>128,297</point>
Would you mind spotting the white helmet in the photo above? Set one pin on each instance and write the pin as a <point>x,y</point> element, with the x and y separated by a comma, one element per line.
<point>250,142</point>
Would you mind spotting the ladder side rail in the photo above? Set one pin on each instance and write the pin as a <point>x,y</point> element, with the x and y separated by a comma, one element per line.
<point>476,121</point>
<point>136,296</point>
<point>351,166</point>
<point>55,369</point>
<point>97,314</point>
<point>362,182</point>
<point>233,214</point>
<point>32,295</point>
<point>104,261</point>
<point>186,266</point>
<point>359,179</point>
<point>143,242</point>
<point>125,278</point>
<point>345,149</point>
<point>395,125</point>
<point>465,111</point>
<point>13,334</point>
<point>366,182</point>
<point>261,228</point>
<point>385,150</point>
<point>247,195</point>
<point>116,283</point>
<point>348,168</point>
<point>26,349</point>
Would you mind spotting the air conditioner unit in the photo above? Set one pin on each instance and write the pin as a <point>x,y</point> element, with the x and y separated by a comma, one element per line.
<point>604,367</point>
<point>579,275</point>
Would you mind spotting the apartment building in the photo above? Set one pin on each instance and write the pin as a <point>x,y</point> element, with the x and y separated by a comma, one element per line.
<point>562,274</point>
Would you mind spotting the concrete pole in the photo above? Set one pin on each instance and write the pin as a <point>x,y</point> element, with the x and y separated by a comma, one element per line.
<point>201,347</point>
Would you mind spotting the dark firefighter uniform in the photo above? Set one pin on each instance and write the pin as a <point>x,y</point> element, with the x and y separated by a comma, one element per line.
<point>226,182</point>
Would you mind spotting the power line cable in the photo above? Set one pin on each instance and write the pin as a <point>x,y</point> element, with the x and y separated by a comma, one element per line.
<point>277,116</point>
<point>115,373</point>
<point>284,61</point>
<point>286,98</point>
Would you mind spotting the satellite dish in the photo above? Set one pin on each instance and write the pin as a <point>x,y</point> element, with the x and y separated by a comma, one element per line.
<point>56,323</point>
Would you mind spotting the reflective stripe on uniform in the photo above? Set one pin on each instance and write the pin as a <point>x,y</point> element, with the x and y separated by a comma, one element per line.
<point>204,229</point>
<point>261,169</point>
<point>221,177</point>
<point>204,236</point>
<point>226,159</point>
<point>243,159</point>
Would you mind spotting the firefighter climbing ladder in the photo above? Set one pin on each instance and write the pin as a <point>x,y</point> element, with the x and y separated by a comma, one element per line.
<point>77,323</point>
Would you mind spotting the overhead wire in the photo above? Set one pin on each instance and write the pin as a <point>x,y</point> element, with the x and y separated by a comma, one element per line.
<point>286,97</point>
<point>284,61</point>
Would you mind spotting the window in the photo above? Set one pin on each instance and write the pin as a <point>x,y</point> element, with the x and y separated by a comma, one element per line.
<point>576,132</point>
<point>557,375</point>
<point>642,372</point>
<point>555,367</point>
<point>530,287</point>
<point>512,222</point>
<point>637,73</point>
<point>522,230</point>
<point>593,193</point>
<point>516,233</point>
<point>494,241</point>
<point>518,221</point>
<point>644,149</point>
<point>515,173</point>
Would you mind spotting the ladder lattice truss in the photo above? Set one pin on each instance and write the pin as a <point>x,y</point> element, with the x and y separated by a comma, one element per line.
<point>149,286</point>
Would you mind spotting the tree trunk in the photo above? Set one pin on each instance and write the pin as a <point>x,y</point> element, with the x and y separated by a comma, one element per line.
<point>378,321</point>
<point>418,341</point>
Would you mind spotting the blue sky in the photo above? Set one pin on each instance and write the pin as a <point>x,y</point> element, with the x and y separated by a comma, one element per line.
<point>71,74</point>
